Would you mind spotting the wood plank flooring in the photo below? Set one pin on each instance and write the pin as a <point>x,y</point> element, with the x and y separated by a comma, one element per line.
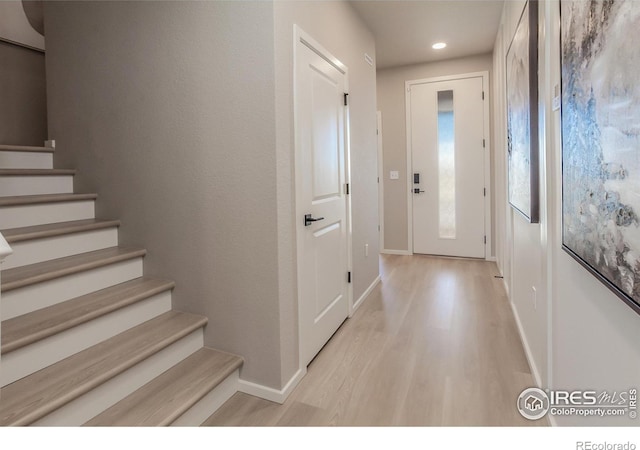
<point>435,344</point>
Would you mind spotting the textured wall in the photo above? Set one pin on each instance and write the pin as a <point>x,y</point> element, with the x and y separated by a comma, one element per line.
<point>167,110</point>
<point>391,102</point>
<point>23,96</point>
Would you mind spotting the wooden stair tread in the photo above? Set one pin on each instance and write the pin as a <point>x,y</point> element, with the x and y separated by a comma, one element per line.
<point>48,270</point>
<point>14,235</point>
<point>38,394</point>
<point>164,399</point>
<point>20,200</point>
<point>32,327</point>
<point>25,148</point>
<point>43,172</point>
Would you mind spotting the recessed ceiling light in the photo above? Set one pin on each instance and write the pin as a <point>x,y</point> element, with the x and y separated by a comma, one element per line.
<point>438,45</point>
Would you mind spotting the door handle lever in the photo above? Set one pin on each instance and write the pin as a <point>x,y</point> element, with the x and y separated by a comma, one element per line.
<point>417,191</point>
<point>309,219</point>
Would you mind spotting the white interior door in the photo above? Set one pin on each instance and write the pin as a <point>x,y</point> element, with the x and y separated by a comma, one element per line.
<point>447,149</point>
<point>320,113</point>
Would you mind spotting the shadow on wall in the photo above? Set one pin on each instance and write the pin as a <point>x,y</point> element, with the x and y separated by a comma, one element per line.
<point>35,14</point>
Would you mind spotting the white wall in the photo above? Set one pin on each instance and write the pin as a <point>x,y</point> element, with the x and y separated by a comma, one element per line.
<point>581,336</point>
<point>391,102</point>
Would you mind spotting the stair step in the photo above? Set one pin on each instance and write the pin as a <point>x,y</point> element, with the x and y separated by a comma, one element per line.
<point>41,393</point>
<point>25,148</point>
<point>20,200</point>
<point>32,327</point>
<point>40,243</point>
<point>48,270</point>
<point>25,160</point>
<point>164,399</point>
<point>36,172</point>
<point>16,182</point>
<point>31,210</point>
<point>15,235</point>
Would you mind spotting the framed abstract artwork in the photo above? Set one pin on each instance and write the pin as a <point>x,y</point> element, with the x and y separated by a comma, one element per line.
<point>601,141</point>
<point>522,115</point>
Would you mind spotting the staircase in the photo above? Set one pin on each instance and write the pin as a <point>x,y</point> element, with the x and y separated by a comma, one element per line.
<point>87,338</point>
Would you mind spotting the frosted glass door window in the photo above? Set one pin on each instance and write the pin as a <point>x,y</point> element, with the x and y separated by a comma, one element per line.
<point>446,166</point>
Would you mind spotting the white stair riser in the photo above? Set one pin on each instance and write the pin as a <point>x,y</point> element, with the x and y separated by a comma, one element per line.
<point>109,393</point>
<point>38,250</point>
<point>41,214</point>
<point>35,185</point>
<point>31,358</point>
<point>40,295</point>
<point>210,403</point>
<point>26,160</point>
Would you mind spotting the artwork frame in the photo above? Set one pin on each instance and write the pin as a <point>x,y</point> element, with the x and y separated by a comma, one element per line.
<point>600,174</point>
<point>522,116</point>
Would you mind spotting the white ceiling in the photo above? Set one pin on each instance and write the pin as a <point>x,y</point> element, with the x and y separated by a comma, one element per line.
<point>405,29</point>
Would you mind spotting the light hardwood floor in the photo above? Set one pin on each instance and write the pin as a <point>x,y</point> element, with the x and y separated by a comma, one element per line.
<point>434,344</point>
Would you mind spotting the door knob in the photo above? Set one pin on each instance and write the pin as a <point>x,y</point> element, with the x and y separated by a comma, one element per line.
<point>417,191</point>
<point>309,219</point>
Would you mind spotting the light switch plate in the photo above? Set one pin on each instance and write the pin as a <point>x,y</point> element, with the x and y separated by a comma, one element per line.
<point>394,175</point>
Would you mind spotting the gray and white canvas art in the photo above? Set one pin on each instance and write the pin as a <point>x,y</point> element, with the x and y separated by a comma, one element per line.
<point>522,117</point>
<point>601,141</point>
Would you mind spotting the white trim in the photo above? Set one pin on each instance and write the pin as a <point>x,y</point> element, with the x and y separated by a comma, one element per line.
<point>271,394</point>
<point>5,248</point>
<point>487,150</point>
<point>380,182</point>
<point>488,230</point>
<point>527,349</point>
<point>385,251</point>
<point>210,403</point>
<point>491,259</point>
<point>364,295</point>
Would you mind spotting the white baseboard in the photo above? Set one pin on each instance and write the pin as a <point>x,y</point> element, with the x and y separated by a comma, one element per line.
<point>395,252</point>
<point>366,293</point>
<point>491,259</point>
<point>267,393</point>
<point>527,349</point>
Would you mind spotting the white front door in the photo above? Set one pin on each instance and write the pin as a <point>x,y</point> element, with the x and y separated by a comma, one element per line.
<point>321,165</point>
<point>448,179</point>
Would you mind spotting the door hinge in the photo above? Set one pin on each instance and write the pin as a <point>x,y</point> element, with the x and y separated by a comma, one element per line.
<point>348,277</point>
<point>482,95</point>
<point>485,240</point>
<point>484,143</point>
<point>378,228</point>
<point>346,188</point>
<point>484,192</point>
<point>346,94</point>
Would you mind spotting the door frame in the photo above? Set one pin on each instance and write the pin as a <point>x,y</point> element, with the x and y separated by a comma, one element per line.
<point>300,36</point>
<point>487,153</point>
<point>380,182</point>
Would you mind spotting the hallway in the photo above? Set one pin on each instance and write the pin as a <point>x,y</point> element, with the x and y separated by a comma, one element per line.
<point>434,344</point>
